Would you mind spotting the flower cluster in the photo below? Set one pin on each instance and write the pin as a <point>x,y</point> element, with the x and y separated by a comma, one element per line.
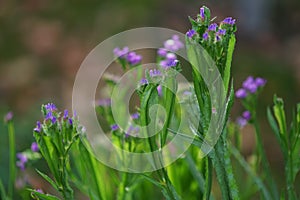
<point>250,86</point>
<point>244,119</point>
<point>125,55</point>
<point>24,157</point>
<point>167,58</point>
<point>8,117</point>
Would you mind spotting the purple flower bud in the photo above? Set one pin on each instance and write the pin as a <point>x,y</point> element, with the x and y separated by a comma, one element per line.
<point>104,102</point>
<point>249,80</point>
<point>260,82</point>
<point>70,121</point>
<point>205,36</point>
<point>221,32</point>
<point>132,131</point>
<point>134,58</point>
<point>154,73</point>
<point>8,117</point>
<point>241,93</point>
<point>40,191</point>
<point>50,107</point>
<point>212,27</point>
<point>22,161</point>
<point>191,33</point>
<point>34,147</point>
<point>202,13</point>
<point>218,38</point>
<point>114,127</point>
<point>159,90</point>
<point>66,114</point>
<point>171,56</point>
<point>229,21</point>
<point>162,52</point>
<point>246,115</point>
<point>173,44</point>
<point>241,122</point>
<point>121,52</point>
<point>135,115</point>
<point>38,127</point>
<point>143,81</point>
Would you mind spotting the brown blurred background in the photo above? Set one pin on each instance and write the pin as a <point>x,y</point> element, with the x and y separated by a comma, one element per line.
<point>43,42</point>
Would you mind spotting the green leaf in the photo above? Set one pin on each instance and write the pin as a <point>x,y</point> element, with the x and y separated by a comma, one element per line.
<point>2,191</point>
<point>47,178</point>
<point>43,196</point>
<point>227,70</point>
<point>280,137</point>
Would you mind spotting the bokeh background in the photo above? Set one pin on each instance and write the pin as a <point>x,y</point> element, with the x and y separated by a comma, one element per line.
<point>43,42</point>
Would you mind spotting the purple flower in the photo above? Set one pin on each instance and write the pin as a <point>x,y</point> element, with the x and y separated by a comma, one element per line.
<point>104,102</point>
<point>66,114</point>
<point>50,116</point>
<point>154,73</point>
<point>205,36</point>
<point>170,61</point>
<point>241,93</point>
<point>121,52</point>
<point>39,191</point>
<point>212,27</point>
<point>218,38</point>
<point>162,52</point>
<point>38,127</point>
<point>260,82</point>
<point>143,81</point>
<point>246,115</point>
<point>8,117</point>
<point>202,13</point>
<point>159,90</point>
<point>171,56</point>
<point>229,21</point>
<point>135,115</point>
<point>114,127</point>
<point>34,147</point>
<point>50,107</point>
<point>191,33</point>
<point>132,131</point>
<point>173,44</point>
<point>250,85</point>
<point>241,121</point>
<point>221,32</point>
<point>70,121</point>
<point>133,58</point>
<point>22,160</point>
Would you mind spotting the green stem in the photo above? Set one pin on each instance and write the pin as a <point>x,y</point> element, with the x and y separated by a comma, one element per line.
<point>289,178</point>
<point>12,159</point>
<point>261,157</point>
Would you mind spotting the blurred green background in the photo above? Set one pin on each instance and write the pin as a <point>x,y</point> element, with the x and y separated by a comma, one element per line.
<point>43,42</point>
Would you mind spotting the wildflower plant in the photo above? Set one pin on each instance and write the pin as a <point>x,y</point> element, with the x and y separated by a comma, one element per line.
<point>184,129</point>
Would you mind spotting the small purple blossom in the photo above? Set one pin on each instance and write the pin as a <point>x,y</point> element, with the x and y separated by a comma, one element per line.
<point>162,52</point>
<point>246,115</point>
<point>39,191</point>
<point>212,27</point>
<point>121,52</point>
<point>159,90</point>
<point>250,85</point>
<point>66,114</point>
<point>22,160</point>
<point>114,127</point>
<point>205,36</point>
<point>50,116</point>
<point>135,115</point>
<point>132,131</point>
<point>241,93</point>
<point>154,73</point>
<point>34,147</point>
<point>143,81</point>
<point>241,121</point>
<point>260,82</point>
<point>8,117</point>
<point>104,102</point>
<point>70,121</point>
<point>134,58</point>
<point>229,21</point>
<point>170,61</point>
<point>50,107</point>
<point>202,13</point>
<point>173,44</point>
<point>38,127</point>
<point>221,32</point>
<point>191,33</point>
